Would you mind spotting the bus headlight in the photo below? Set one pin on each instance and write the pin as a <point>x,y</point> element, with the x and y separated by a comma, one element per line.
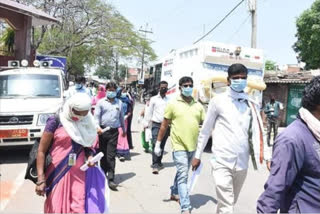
<point>42,119</point>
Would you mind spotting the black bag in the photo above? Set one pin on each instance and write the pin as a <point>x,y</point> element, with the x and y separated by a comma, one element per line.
<point>31,171</point>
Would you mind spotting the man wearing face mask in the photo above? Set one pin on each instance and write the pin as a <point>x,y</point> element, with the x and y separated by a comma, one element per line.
<point>237,135</point>
<point>109,117</point>
<point>78,87</point>
<point>154,115</point>
<point>185,115</point>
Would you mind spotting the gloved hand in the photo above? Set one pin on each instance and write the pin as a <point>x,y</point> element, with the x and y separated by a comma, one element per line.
<point>145,124</point>
<point>157,150</point>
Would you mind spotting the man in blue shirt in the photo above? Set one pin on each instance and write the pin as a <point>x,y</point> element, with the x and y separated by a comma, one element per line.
<point>272,110</point>
<point>79,87</point>
<point>293,185</point>
<point>109,117</point>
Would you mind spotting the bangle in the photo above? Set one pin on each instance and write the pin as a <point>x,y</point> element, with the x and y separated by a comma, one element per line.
<point>40,182</point>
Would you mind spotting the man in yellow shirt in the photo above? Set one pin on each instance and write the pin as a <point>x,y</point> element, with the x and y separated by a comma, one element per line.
<point>185,115</point>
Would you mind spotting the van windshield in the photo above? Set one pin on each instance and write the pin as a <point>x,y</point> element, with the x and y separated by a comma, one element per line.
<point>29,85</point>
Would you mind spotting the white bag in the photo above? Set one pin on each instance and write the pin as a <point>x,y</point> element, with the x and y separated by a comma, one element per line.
<point>148,134</point>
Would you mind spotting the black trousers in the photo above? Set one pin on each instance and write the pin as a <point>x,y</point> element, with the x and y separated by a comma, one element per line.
<point>108,146</point>
<point>157,161</point>
<point>129,135</point>
<point>272,124</point>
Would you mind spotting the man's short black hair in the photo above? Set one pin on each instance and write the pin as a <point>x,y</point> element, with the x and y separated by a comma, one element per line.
<point>237,68</point>
<point>311,94</point>
<point>111,85</point>
<point>163,82</point>
<point>78,79</point>
<point>185,80</point>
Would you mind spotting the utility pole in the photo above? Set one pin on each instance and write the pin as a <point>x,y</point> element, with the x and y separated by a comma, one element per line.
<point>145,31</point>
<point>253,11</point>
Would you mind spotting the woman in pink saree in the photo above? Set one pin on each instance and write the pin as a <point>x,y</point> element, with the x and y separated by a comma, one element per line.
<point>72,136</point>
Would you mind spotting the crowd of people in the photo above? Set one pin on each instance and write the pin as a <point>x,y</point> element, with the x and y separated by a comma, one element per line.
<point>90,123</point>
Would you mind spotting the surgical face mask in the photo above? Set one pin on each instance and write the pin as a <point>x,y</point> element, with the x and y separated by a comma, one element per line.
<point>187,92</point>
<point>123,95</point>
<point>111,94</point>
<point>78,85</point>
<point>238,85</point>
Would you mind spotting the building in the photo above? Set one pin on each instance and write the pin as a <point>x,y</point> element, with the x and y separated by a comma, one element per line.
<point>22,18</point>
<point>287,87</point>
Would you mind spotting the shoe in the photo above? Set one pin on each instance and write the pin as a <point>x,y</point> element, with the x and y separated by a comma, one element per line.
<point>175,198</point>
<point>113,186</point>
<point>122,159</point>
<point>155,171</point>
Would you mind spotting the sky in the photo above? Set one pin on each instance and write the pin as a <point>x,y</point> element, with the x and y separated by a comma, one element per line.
<point>179,23</point>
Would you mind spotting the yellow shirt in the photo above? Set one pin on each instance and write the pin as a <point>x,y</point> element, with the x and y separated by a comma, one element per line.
<point>185,120</point>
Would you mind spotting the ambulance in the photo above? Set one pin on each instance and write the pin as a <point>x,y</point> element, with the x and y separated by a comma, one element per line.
<point>207,63</point>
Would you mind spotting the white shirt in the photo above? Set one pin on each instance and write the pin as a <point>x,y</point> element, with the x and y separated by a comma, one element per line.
<point>155,111</point>
<point>229,118</point>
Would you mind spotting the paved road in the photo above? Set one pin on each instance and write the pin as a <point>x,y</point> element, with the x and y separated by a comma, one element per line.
<point>139,192</point>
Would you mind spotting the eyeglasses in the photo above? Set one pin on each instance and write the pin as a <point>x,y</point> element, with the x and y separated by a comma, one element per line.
<point>236,78</point>
<point>186,86</point>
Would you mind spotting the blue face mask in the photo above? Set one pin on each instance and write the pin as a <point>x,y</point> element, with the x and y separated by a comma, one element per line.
<point>111,94</point>
<point>123,95</point>
<point>187,92</point>
<point>238,85</point>
<point>78,86</point>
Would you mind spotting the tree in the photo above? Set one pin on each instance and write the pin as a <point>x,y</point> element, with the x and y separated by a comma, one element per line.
<point>270,65</point>
<point>308,37</point>
<point>108,37</point>
<point>8,40</point>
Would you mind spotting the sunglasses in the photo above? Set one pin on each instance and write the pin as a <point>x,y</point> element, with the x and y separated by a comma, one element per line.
<point>186,86</point>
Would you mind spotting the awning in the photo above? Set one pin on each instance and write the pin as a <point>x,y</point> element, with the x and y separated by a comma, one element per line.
<point>38,17</point>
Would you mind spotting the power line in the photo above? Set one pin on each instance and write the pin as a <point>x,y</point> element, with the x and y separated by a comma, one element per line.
<point>239,28</point>
<point>219,22</point>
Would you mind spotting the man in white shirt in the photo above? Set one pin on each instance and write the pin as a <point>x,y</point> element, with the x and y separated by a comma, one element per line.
<point>154,117</point>
<point>237,135</point>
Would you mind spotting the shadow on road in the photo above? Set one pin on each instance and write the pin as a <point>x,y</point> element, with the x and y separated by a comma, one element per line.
<point>168,164</point>
<point>120,178</point>
<point>12,155</point>
<point>199,200</point>
<point>132,154</point>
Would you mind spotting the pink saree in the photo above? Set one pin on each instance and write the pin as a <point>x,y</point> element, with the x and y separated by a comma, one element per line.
<point>68,195</point>
<point>123,146</point>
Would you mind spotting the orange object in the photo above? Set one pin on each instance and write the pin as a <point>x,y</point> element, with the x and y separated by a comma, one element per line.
<point>15,133</point>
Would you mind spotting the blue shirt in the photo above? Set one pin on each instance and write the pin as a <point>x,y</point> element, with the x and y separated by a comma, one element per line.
<point>272,109</point>
<point>73,91</point>
<point>293,185</point>
<point>109,113</point>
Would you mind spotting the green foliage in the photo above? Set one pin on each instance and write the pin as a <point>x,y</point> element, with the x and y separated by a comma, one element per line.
<point>270,65</point>
<point>308,36</point>
<point>8,40</point>
<point>90,33</point>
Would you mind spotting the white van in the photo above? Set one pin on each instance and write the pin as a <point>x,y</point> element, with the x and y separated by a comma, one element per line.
<point>28,96</point>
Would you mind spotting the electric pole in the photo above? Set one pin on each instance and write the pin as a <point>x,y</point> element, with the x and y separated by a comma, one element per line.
<point>145,31</point>
<point>253,11</point>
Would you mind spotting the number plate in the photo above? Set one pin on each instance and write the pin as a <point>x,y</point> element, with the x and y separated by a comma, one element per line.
<point>17,133</point>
